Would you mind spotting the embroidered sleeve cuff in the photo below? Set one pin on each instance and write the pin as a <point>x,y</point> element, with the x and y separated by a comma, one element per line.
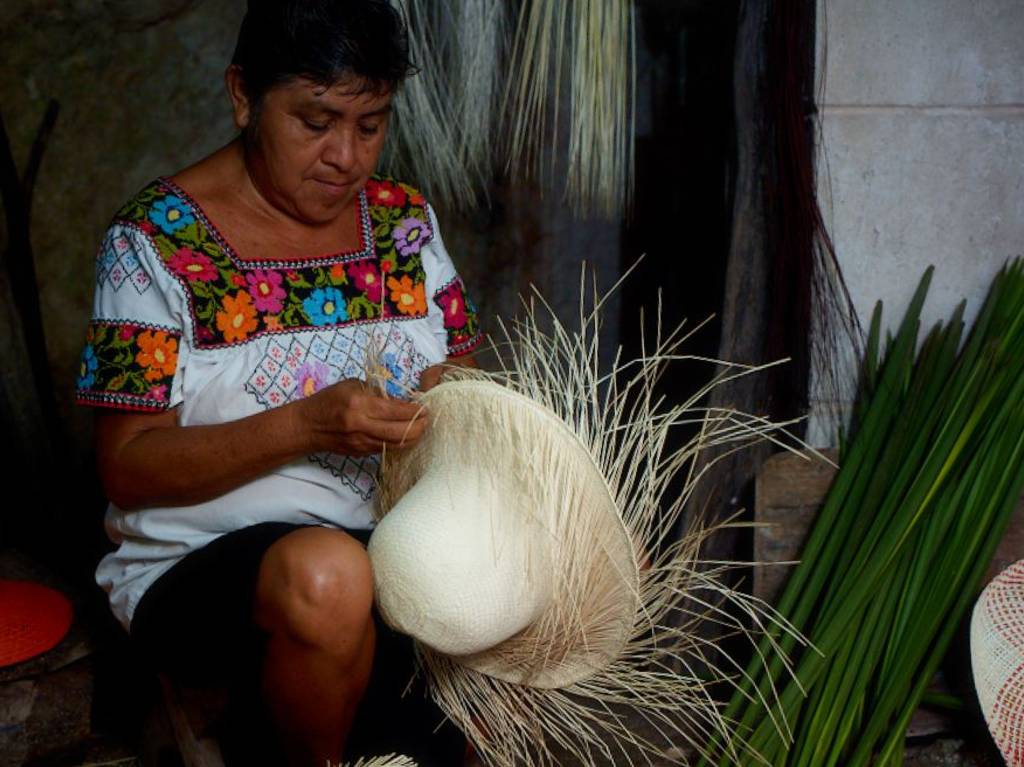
<point>460,318</point>
<point>464,345</point>
<point>127,366</point>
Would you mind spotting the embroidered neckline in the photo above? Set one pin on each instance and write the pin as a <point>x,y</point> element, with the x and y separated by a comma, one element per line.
<point>366,248</point>
<point>232,301</point>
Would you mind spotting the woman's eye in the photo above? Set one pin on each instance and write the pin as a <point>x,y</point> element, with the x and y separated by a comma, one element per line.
<point>315,127</point>
<point>369,130</point>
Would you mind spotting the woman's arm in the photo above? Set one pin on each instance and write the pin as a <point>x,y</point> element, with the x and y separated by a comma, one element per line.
<point>151,460</point>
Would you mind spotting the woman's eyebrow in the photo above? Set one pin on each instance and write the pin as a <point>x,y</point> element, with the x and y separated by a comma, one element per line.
<point>325,109</point>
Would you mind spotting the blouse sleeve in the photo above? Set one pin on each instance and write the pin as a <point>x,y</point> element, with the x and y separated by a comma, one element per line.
<point>452,315</point>
<point>133,355</point>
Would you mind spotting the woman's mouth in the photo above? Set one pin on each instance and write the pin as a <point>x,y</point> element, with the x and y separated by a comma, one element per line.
<point>333,187</point>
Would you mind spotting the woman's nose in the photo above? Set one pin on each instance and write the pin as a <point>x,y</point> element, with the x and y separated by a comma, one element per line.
<point>340,151</point>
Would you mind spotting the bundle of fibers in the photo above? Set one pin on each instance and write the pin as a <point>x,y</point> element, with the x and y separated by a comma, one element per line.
<point>561,475</point>
<point>485,70</point>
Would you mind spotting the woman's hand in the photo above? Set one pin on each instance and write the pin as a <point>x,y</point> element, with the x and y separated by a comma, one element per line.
<point>148,460</point>
<point>352,418</point>
<point>431,377</point>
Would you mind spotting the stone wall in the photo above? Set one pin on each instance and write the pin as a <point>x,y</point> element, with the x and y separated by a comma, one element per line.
<point>923,162</point>
<point>140,90</point>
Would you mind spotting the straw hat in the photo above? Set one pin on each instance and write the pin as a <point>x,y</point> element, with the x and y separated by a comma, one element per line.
<point>503,546</point>
<point>528,544</point>
<point>997,659</point>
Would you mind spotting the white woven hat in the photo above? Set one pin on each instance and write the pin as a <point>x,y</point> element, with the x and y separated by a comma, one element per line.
<point>503,546</point>
<point>997,659</point>
<point>529,544</point>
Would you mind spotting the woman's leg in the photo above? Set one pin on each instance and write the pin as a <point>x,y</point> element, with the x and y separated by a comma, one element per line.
<point>314,597</point>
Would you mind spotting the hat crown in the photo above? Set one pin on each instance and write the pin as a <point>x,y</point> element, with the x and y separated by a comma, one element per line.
<point>459,563</point>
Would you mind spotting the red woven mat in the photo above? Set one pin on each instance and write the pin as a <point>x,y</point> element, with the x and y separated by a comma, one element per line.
<point>33,619</point>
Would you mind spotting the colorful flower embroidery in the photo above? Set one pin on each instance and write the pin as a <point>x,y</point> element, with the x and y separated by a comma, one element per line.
<point>282,296</point>
<point>238,319</point>
<point>311,377</point>
<point>158,354</point>
<point>87,369</point>
<point>384,192</point>
<point>460,317</point>
<point>408,297</point>
<point>124,367</point>
<point>266,291</point>
<point>453,304</point>
<point>157,393</point>
<point>171,214</point>
<point>338,273</point>
<point>193,266</point>
<point>410,235</point>
<point>367,279</point>
<point>325,306</point>
<point>393,378</point>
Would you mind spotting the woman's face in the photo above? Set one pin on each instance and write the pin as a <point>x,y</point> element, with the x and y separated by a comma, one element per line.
<point>314,147</point>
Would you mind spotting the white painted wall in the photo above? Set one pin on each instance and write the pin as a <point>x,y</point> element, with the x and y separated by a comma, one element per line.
<point>923,149</point>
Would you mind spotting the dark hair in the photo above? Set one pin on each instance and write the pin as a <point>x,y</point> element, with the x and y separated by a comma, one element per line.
<point>324,41</point>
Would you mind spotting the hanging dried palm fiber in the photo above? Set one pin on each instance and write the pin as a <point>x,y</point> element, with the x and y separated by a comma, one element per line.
<point>483,74</point>
<point>446,113</point>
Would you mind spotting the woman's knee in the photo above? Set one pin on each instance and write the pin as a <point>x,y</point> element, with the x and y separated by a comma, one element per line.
<point>316,584</point>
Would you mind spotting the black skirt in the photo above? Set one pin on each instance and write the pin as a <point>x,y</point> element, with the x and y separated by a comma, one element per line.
<point>195,623</point>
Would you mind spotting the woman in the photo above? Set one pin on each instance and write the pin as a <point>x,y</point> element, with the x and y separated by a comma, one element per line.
<point>237,304</point>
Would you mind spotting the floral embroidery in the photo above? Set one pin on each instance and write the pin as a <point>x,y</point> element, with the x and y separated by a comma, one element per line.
<point>326,306</point>
<point>158,354</point>
<point>171,214</point>
<point>87,371</point>
<point>367,279</point>
<point>192,266</point>
<point>238,319</point>
<point>409,298</point>
<point>291,369</point>
<point>266,291</point>
<point>454,307</point>
<point>391,373</point>
<point>283,296</point>
<point>338,274</point>
<point>460,317</point>
<point>410,236</point>
<point>312,376</point>
<point>125,365</point>
<point>384,193</point>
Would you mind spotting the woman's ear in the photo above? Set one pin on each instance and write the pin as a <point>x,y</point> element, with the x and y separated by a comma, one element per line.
<point>239,97</point>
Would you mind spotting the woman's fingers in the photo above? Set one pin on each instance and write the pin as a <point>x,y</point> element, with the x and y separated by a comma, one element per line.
<point>395,433</point>
<point>386,409</point>
<point>355,419</point>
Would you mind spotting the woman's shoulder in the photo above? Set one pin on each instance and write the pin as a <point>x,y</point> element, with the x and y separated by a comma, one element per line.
<point>156,207</point>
